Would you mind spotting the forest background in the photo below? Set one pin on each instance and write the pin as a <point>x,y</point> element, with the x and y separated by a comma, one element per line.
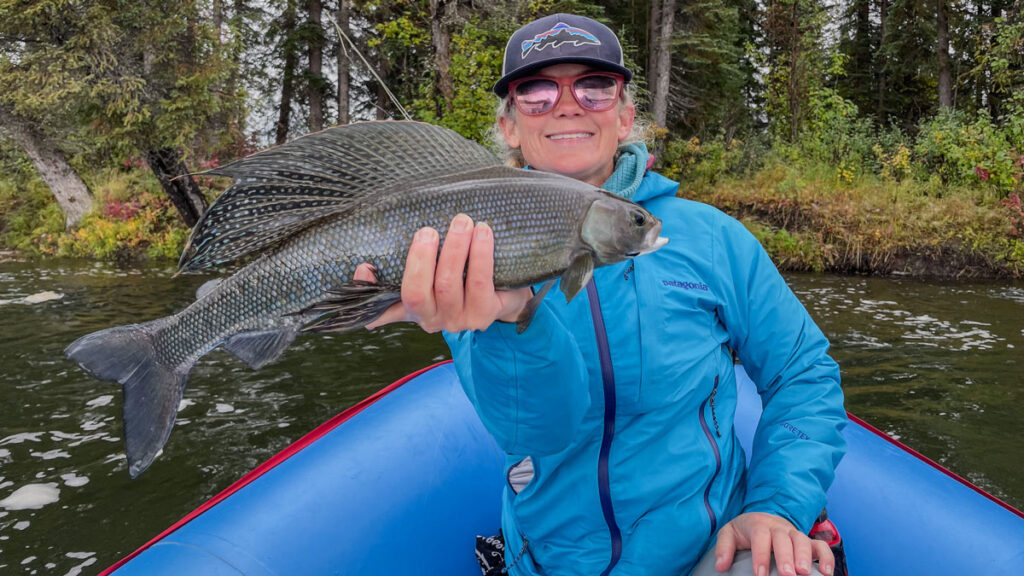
<point>869,136</point>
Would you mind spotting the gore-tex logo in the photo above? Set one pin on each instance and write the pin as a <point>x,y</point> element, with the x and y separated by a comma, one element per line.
<point>686,285</point>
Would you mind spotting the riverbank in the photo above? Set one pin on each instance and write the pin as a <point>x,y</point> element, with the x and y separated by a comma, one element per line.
<point>812,221</point>
<point>808,220</point>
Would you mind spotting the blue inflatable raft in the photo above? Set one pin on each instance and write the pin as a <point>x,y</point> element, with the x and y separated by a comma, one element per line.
<point>409,480</point>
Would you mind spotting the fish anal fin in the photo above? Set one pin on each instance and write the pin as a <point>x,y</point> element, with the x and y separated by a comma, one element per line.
<point>258,348</point>
<point>580,271</point>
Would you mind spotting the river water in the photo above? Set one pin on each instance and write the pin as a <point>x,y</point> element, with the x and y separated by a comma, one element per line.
<point>935,364</point>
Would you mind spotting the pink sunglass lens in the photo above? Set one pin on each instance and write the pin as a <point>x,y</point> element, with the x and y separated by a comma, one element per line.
<point>596,92</point>
<point>536,96</point>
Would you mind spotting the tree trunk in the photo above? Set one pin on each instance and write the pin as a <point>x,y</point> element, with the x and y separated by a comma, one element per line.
<point>316,76</point>
<point>441,15</point>
<point>883,15</point>
<point>177,182</point>
<point>794,72</point>
<point>287,75</point>
<point>942,50</point>
<point>383,100</point>
<point>344,63</point>
<point>662,45</point>
<point>74,198</point>
<point>653,28</point>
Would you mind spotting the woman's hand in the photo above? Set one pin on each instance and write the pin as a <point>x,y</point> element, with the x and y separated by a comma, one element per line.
<point>767,534</point>
<point>433,292</point>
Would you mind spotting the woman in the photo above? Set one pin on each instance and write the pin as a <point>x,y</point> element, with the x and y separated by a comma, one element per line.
<point>615,410</point>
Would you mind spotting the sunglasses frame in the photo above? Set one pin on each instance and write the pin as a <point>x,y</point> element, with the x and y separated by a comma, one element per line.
<point>563,81</point>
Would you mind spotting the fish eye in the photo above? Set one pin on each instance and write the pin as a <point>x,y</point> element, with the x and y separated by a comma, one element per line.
<point>638,218</point>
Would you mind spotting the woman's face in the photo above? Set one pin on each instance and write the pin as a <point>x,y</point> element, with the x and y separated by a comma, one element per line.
<point>568,139</point>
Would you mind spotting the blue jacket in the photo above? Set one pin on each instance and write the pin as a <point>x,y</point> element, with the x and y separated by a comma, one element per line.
<point>616,410</point>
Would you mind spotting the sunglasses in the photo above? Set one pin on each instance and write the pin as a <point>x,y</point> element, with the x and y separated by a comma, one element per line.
<point>593,91</point>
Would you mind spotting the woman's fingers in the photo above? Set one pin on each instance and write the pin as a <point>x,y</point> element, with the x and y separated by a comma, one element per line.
<point>782,547</point>
<point>449,288</point>
<point>364,273</point>
<point>418,279</point>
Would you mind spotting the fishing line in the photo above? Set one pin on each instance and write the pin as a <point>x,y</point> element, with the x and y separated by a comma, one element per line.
<point>368,67</point>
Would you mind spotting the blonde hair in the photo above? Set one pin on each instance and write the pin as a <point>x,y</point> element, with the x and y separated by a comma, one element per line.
<point>514,157</point>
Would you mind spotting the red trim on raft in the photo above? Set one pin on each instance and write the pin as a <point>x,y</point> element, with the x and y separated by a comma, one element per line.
<point>933,464</point>
<point>278,458</point>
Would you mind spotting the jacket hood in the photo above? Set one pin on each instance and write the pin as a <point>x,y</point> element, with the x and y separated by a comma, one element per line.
<point>631,167</point>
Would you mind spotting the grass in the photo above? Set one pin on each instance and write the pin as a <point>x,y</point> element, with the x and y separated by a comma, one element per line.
<point>810,219</point>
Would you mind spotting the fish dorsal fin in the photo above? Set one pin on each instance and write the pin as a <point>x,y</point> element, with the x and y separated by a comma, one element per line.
<point>207,287</point>
<point>283,190</point>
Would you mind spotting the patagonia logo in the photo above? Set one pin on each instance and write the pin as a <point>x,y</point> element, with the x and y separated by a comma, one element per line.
<point>561,34</point>
<point>686,285</point>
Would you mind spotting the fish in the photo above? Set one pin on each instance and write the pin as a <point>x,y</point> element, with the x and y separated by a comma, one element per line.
<point>300,217</point>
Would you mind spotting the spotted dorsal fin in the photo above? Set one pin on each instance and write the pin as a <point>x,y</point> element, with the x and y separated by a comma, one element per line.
<point>283,190</point>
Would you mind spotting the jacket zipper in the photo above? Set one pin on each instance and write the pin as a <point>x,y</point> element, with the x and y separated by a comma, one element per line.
<point>608,380</point>
<point>714,448</point>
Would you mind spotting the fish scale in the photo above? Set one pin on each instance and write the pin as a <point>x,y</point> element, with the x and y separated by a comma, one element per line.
<point>308,222</point>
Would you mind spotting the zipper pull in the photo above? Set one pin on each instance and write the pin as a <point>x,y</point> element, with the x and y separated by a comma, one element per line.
<point>625,276</point>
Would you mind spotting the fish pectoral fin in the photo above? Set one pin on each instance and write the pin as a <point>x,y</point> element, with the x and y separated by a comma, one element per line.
<point>526,316</point>
<point>352,306</point>
<point>580,271</point>
<point>258,348</point>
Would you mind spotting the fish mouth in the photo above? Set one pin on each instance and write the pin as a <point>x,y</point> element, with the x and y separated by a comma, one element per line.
<point>652,240</point>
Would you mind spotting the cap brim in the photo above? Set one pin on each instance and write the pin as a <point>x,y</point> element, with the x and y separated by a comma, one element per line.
<point>501,87</point>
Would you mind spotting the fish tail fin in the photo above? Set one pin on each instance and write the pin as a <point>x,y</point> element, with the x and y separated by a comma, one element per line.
<point>152,390</point>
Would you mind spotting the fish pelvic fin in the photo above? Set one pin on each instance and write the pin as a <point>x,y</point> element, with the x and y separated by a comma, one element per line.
<point>259,348</point>
<point>352,306</point>
<point>152,390</point>
<point>289,188</point>
<point>580,271</point>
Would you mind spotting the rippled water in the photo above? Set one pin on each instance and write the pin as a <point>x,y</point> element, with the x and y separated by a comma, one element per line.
<point>935,364</point>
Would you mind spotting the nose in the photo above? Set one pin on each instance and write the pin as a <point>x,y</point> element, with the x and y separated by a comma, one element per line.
<point>567,104</point>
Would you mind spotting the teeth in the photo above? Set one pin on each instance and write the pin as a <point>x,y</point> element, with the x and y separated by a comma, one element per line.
<point>568,136</point>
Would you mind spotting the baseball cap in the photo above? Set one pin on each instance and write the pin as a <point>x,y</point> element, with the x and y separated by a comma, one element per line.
<point>560,39</point>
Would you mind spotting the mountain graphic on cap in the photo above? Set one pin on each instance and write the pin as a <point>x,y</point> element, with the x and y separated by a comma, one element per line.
<point>560,34</point>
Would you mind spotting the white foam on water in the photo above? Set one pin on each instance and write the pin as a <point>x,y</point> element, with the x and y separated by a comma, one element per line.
<point>22,525</point>
<point>32,497</point>
<point>51,455</point>
<point>99,401</point>
<point>21,438</point>
<point>28,560</point>
<point>225,408</point>
<point>92,425</point>
<point>73,480</point>
<point>89,558</point>
<point>40,297</point>
<point>5,453</point>
<point>185,403</point>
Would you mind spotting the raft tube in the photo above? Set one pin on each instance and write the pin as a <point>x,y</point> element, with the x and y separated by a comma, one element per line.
<point>409,480</point>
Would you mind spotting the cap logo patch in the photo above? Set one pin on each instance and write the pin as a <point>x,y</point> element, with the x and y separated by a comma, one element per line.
<point>561,34</point>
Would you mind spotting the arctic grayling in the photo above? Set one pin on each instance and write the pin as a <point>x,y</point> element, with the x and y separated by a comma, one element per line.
<point>308,212</point>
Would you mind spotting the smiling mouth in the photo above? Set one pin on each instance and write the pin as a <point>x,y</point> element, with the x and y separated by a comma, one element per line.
<point>570,136</point>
